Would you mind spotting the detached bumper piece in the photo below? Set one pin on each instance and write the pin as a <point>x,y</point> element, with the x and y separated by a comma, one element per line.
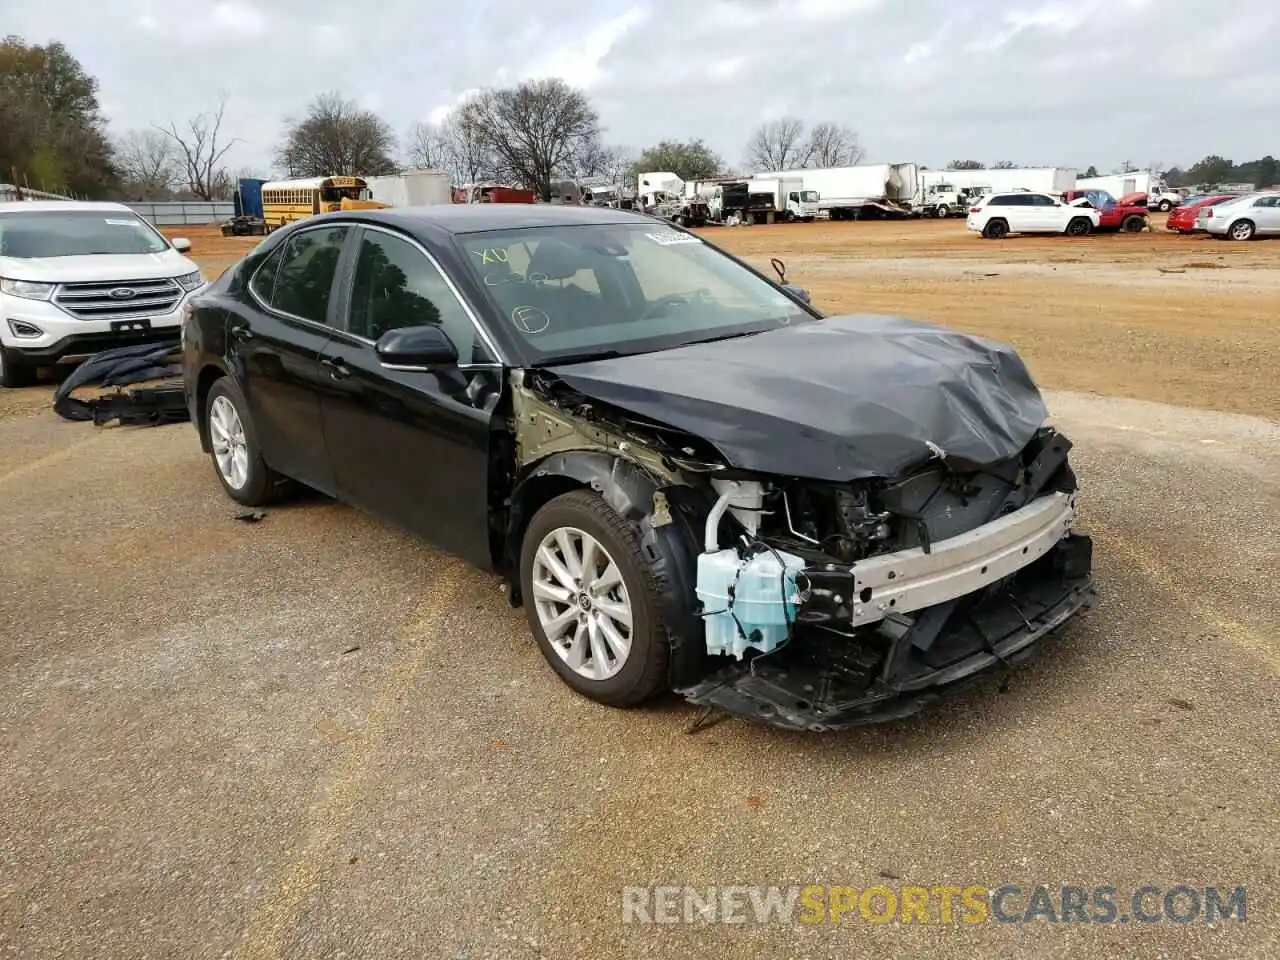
<point>160,401</point>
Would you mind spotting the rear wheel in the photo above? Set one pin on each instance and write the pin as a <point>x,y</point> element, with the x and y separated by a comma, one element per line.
<point>237,458</point>
<point>590,599</point>
<point>1079,227</point>
<point>14,371</point>
<point>1242,230</point>
<point>996,229</point>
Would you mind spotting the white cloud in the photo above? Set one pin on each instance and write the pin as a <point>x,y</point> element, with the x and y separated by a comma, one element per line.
<point>579,61</point>
<point>1044,83</point>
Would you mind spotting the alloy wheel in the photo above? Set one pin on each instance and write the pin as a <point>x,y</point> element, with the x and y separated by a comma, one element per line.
<point>230,447</point>
<point>582,603</point>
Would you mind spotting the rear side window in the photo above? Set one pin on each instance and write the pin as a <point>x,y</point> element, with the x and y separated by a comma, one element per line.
<point>305,278</point>
<point>263,283</point>
<point>1004,200</point>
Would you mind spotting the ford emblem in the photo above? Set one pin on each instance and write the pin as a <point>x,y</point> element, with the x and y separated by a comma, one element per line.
<point>123,293</point>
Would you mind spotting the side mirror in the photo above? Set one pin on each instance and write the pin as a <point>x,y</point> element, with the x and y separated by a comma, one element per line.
<point>181,244</point>
<point>425,346</point>
<point>798,292</point>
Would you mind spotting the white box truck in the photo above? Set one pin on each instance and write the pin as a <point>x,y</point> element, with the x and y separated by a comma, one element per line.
<point>866,190</point>
<point>791,201</point>
<point>413,188</point>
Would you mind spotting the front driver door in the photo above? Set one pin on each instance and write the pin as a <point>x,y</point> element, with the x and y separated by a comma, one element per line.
<point>276,346</point>
<point>411,445</point>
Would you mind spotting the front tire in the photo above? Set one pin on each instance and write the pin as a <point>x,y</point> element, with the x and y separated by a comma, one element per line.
<point>942,211</point>
<point>1079,227</point>
<point>1133,224</point>
<point>1164,206</point>
<point>591,601</point>
<point>1242,230</point>
<point>996,229</point>
<point>237,457</point>
<point>15,372</point>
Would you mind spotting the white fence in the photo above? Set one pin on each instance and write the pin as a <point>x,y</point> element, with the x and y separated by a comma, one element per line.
<point>182,213</point>
<point>163,213</point>
<point>9,192</point>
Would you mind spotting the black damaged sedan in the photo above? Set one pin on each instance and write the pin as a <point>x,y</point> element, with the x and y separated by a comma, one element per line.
<point>689,478</point>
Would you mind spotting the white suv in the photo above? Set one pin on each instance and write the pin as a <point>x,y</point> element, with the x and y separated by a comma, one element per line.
<point>999,214</point>
<point>77,278</point>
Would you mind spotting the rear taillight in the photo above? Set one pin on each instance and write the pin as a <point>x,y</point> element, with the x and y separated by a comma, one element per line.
<point>975,209</point>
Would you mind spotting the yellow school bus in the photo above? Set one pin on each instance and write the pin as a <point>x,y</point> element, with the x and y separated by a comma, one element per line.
<point>284,201</point>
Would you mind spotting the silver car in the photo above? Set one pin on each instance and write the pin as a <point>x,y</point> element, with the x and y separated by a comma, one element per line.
<point>1246,217</point>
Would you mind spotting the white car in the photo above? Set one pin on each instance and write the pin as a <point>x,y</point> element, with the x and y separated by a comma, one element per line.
<point>77,278</point>
<point>999,214</point>
<point>1253,215</point>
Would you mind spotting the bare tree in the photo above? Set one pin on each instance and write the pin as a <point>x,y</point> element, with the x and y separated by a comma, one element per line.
<point>338,137</point>
<point>148,163</point>
<point>470,157</point>
<point>1003,165</point>
<point>833,145</point>
<point>594,159</point>
<point>428,146</point>
<point>779,145</point>
<point>532,130</point>
<point>200,150</point>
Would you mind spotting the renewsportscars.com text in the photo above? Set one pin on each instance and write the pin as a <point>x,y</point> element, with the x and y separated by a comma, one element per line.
<point>959,904</point>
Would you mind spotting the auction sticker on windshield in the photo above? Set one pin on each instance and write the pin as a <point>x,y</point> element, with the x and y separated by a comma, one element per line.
<point>668,238</point>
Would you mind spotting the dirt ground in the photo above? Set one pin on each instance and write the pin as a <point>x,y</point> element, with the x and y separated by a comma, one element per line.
<point>1153,316</point>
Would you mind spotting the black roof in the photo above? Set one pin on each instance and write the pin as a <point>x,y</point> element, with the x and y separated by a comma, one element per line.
<point>477,217</point>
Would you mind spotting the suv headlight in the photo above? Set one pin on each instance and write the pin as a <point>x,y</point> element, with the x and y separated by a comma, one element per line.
<point>27,289</point>
<point>190,281</point>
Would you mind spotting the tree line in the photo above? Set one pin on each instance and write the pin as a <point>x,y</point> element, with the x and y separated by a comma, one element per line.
<point>54,137</point>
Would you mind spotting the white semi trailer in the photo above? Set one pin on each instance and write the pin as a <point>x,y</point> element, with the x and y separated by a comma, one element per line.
<point>1159,195</point>
<point>866,190</point>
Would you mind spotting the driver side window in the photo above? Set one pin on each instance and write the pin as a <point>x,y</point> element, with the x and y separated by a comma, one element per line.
<point>396,286</point>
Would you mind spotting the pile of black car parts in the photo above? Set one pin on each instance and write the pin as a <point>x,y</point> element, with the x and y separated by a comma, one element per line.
<point>118,369</point>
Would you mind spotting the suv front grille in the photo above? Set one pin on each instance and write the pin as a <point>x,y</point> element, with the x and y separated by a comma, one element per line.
<point>107,300</point>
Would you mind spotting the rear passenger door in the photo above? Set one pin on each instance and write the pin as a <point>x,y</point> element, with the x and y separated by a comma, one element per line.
<point>1014,208</point>
<point>276,350</point>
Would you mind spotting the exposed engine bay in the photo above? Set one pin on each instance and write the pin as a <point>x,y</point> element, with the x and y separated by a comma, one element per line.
<point>826,604</point>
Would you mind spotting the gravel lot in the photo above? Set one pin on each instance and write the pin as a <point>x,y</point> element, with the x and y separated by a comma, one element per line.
<point>316,737</point>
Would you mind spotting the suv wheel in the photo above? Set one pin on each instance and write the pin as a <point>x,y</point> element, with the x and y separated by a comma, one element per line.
<point>996,229</point>
<point>14,372</point>
<point>1079,227</point>
<point>233,442</point>
<point>1241,230</point>
<point>590,598</point>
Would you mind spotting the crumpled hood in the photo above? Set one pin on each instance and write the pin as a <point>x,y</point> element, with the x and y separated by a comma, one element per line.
<point>839,399</point>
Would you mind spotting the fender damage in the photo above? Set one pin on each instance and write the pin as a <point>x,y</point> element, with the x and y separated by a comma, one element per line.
<point>913,569</point>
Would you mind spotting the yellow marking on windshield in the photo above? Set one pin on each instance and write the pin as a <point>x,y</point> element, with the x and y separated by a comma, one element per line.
<point>491,255</point>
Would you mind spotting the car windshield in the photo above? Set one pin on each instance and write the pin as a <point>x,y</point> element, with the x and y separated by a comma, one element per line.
<point>75,233</point>
<point>619,288</point>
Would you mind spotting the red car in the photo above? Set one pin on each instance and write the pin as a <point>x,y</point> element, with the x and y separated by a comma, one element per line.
<point>1182,218</point>
<point>1116,214</point>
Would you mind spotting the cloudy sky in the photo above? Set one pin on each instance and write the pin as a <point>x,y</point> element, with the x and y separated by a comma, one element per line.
<point>1052,82</point>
